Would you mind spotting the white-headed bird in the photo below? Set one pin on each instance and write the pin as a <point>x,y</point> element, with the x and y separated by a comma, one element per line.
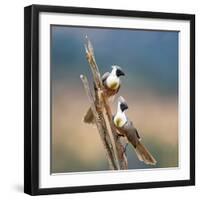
<point>111,82</point>
<point>127,129</point>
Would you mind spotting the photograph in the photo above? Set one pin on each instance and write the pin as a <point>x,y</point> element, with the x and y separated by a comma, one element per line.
<point>138,72</point>
<point>109,99</point>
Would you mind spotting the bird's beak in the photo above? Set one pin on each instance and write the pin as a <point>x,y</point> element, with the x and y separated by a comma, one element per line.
<point>123,104</point>
<point>119,72</point>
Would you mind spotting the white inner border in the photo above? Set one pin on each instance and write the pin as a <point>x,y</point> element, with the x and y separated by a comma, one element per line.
<point>46,180</point>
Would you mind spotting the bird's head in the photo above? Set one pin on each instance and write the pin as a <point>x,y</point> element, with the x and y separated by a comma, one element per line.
<point>117,70</point>
<point>120,117</point>
<point>122,104</point>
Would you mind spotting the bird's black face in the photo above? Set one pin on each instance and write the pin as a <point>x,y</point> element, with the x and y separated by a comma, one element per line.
<point>119,72</point>
<point>123,106</point>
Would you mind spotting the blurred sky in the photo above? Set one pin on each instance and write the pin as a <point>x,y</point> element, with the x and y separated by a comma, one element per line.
<point>150,62</point>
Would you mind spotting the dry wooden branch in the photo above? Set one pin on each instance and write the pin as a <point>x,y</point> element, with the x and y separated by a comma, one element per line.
<point>116,153</point>
<point>101,125</point>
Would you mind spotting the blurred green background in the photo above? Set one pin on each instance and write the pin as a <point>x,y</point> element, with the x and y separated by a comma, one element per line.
<point>150,87</point>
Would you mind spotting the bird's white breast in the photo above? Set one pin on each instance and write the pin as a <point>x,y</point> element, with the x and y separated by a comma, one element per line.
<point>120,119</point>
<point>113,82</point>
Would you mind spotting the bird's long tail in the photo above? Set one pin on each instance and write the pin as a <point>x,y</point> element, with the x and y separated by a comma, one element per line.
<point>89,117</point>
<point>144,155</point>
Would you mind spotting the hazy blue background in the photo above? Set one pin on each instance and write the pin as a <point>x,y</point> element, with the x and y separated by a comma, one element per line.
<point>150,62</point>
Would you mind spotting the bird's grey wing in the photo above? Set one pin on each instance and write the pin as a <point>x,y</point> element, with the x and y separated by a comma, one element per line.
<point>141,151</point>
<point>131,133</point>
<point>136,131</point>
<point>105,76</point>
<point>138,134</point>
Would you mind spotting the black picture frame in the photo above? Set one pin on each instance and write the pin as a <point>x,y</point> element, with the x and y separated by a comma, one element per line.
<point>31,98</point>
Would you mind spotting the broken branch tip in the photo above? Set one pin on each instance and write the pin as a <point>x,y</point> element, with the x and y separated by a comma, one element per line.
<point>81,76</point>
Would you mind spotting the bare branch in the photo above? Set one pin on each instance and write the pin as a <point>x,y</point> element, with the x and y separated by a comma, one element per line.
<point>101,125</point>
<point>102,104</point>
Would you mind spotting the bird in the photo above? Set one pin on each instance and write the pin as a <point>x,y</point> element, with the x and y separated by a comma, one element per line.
<point>127,129</point>
<point>111,83</point>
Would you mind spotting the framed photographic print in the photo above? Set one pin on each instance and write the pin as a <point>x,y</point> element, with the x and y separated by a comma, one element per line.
<point>109,99</point>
